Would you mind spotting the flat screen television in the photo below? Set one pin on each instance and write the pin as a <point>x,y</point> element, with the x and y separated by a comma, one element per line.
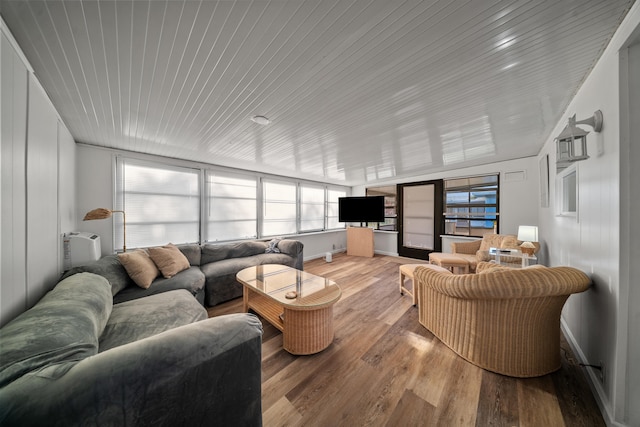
<point>361,209</point>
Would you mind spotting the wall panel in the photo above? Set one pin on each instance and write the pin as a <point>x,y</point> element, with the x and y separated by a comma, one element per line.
<point>13,291</point>
<point>42,194</point>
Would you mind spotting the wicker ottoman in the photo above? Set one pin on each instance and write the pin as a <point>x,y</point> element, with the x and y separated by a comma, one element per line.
<point>451,262</point>
<point>407,270</point>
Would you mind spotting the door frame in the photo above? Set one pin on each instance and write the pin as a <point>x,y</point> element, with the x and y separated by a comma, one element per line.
<point>438,222</point>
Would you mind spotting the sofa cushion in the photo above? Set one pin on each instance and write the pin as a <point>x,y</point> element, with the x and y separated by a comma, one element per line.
<point>63,326</point>
<point>134,320</point>
<point>191,279</point>
<point>109,267</point>
<point>140,267</point>
<point>169,260</point>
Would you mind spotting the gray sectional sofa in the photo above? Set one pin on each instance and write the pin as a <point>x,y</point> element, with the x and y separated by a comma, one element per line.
<point>100,350</point>
<point>211,278</point>
<point>77,359</point>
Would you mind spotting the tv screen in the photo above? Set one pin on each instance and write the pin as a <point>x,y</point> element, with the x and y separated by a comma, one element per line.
<point>361,209</point>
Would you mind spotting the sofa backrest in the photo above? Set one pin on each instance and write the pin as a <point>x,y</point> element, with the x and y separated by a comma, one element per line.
<point>108,267</point>
<point>502,241</point>
<point>501,282</point>
<point>212,253</point>
<point>192,252</point>
<point>64,326</point>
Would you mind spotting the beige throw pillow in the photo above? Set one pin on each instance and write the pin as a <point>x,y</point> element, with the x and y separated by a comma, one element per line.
<point>169,260</point>
<point>140,267</point>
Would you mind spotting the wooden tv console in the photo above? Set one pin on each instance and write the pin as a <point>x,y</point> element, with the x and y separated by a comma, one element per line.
<point>360,241</point>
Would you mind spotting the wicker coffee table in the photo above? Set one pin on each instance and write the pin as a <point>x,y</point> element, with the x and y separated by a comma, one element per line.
<point>298,303</point>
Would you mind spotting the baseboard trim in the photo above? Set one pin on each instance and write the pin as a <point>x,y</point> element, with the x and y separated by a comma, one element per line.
<point>322,255</point>
<point>594,382</point>
<point>385,253</point>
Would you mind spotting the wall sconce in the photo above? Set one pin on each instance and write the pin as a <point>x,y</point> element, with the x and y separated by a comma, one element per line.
<point>571,144</point>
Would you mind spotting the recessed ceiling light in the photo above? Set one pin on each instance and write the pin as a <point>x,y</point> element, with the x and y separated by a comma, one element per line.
<point>261,120</point>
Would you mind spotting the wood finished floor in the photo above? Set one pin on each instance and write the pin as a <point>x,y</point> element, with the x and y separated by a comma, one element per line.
<point>385,369</point>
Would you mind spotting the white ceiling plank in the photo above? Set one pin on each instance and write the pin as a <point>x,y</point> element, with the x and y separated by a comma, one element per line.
<point>357,90</point>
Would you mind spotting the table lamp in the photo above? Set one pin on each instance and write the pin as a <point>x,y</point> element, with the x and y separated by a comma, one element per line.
<point>528,234</point>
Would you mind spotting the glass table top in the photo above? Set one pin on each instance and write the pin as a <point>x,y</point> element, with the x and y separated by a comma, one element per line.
<point>289,286</point>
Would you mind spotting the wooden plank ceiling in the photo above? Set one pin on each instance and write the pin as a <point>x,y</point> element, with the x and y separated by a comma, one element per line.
<point>357,91</point>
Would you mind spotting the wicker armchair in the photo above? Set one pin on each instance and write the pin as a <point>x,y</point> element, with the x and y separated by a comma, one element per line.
<point>478,250</point>
<point>503,320</point>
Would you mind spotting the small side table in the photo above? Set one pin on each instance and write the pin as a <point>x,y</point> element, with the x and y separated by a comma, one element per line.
<point>510,257</point>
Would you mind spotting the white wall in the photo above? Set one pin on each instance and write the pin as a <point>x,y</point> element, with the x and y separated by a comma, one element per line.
<point>596,321</point>
<point>94,189</point>
<point>38,193</point>
<point>519,193</point>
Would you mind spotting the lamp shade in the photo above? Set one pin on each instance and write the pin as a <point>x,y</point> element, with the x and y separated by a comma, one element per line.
<point>103,213</point>
<point>99,213</point>
<point>528,233</point>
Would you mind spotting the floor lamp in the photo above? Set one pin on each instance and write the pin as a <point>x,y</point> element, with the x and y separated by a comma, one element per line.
<point>102,213</point>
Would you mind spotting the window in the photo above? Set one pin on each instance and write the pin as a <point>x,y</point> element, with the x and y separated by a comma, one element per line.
<point>332,208</point>
<point>231,212</point>
<point>390,213</point>
<point>165,203</point>
<point>279,208</point>
<point>311,208</point>
<point>162,204</point>
<point>471,205</point>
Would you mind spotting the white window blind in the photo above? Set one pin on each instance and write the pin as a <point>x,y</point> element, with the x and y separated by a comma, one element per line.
<point>311,208</point>
<point>332,208</point>
<point>279,208</point>
<point>162,204</point>
<point>231,206</point>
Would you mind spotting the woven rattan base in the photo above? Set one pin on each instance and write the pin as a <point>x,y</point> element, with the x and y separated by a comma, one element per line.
<point>306,320</point>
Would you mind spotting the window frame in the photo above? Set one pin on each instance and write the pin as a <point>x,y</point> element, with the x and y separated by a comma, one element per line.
<point>265,181</point>
<point>332,205</point>
<point>470,216</point>
<point>209,204</point>
<point>121,203</point>
<point>301,187</point>
<point>204,171</point>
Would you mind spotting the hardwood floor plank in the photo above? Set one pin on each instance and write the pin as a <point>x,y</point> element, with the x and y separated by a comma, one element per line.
<point>385,369</point>
<point>433,374</point>
<point>459,399</point>
<point>410,411</point>
<point>281,414</point>
<point>537,403</point>
<point>498,404</point>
